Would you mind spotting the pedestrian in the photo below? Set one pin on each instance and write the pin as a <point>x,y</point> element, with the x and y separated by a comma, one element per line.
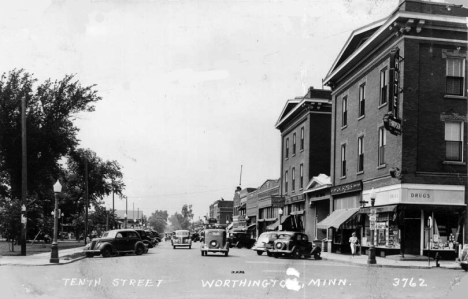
<point>354,243</point>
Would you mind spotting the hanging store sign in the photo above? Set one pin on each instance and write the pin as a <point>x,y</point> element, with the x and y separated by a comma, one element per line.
<point>277,202</point>
<point>391,121</point>
<point>346,188</point>
<point>392,124</point>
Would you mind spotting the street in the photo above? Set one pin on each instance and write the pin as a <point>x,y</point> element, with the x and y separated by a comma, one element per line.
<point>184,273</point>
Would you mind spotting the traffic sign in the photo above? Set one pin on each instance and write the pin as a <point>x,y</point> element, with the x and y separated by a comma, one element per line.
<point>373,211</point>
<point>372,225</point>
<point>372,217</point>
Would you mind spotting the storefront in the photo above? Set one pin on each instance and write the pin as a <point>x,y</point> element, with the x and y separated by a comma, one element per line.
<point>344,220</point>
<point>268,213</point>
<point>293,218</point>
<point>318,198</point>
<point>417,219</point>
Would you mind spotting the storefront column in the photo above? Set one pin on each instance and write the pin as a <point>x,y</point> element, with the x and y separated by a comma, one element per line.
<point>421,245</point>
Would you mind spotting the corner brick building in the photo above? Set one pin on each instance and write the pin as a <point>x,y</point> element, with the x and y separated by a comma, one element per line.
<point>404,73</point>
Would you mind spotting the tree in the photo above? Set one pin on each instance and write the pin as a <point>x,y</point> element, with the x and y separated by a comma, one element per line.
<point>158,220</point>
<point>51,108</point>
<point>183,220</point>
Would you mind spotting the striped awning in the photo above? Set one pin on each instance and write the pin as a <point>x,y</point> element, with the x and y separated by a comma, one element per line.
<point>337,218</point>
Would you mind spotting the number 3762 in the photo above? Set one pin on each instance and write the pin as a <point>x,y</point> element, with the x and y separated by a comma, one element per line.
<point>410,282</point>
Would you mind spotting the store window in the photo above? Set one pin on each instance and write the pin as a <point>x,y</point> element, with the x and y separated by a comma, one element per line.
<point>293,181</point>
<point>455,76</point>
<point>287,148</point>
<point>444,233</point>
<point>294,143</point>
<point>301,179</point>
<point>453,141</point>
<point>286,182</point>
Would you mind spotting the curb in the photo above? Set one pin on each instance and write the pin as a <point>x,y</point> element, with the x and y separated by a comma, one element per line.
<point>41,265</point>
<point>390,266</point>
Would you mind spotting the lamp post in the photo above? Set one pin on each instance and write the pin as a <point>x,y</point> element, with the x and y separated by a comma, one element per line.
<point>54,258</point>
<point>371,258</point>
<point>125,220</point>
<point>280,213</point>
<point>61,235</point>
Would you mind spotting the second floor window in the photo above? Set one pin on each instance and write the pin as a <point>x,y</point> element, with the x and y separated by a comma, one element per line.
<point>455,76</point>
<point>294,143</point>
<point>383,86</point>
<point>301,179</point>
<point>286,182</point>
<point>454,141</point>
<point>344,116</point>
<point>287,148</point>
<point>293,181</point>
<point>302,138</point>
<point>362,100</point>
<point>360,154</point>
<point>343,160</point>
<point>382,143</point>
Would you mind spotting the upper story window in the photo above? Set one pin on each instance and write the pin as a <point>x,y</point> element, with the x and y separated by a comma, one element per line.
<point>362,100</point>
<point>301,179</point>
<point>286,182</point>
<point>454,141</point>
<point>344,116</point>
<point>302,138</point>
<point>382,143</point>
<point>455,76</point>
<point>293,181</point>
<point>294,143</point>
<point>287,148</point>
<point>343,160</point>
<point>383,86</point>
<point>360,154</point>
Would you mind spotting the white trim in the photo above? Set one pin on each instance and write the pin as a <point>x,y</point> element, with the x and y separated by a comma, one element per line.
<point>432,39</point>
<point>298,106</point>
<point>418,186</point>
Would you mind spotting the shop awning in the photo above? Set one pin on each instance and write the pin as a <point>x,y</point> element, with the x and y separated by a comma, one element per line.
<point>271,219</point>
<point>337,218</point>
<point>273,226</point>
<point>297,213</point>
<point>230,226</point>
<point>286,219</point>
<point>261,220</point>
<point>252,226</point>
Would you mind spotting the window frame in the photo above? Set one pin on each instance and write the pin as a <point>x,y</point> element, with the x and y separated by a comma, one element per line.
<point>286,182</point>
<point>344,112</point>
<point>293,180</point>
<point>382,142</point>
<point>343,160</point>
<point>383,89</point>
<point>461,79</point>
<point>302,138</point>
<point>461,125</point>
<point>360,164</point>
<point>287,148</point>
<point>362,100</point>
<point>294,144</point>
<point>301,174</point>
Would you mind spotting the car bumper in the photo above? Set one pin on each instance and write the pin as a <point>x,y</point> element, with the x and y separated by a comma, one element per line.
<point>208,249</point>
<point>262,249</point>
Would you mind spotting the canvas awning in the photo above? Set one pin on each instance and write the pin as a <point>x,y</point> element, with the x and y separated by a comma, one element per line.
<point>230,226</point>
<point>337,218</point>
<point>273,226</point>
<point>251,226</point>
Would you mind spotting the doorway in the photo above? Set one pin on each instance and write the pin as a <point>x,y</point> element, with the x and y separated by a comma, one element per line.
<point>412,236</point>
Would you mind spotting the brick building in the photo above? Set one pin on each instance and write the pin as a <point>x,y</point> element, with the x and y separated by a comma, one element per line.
<point>405,72</point>
<point>222,210</point>
<point>269,203</point>
<point>305,126</point>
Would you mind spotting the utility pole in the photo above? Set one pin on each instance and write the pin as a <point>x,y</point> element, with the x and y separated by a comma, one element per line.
<point>24,176</point>
<point>86,215</point>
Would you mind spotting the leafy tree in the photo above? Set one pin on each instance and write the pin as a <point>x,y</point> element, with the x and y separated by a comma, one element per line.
<point>158,220</point>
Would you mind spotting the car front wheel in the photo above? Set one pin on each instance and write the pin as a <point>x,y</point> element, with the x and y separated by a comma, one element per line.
<point>259,252</point>
<point>139,250</point>
<point>106,252</point>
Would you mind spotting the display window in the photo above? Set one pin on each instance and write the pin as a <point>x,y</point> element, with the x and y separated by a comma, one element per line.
<point>387,234</point>
<point>444,231</point>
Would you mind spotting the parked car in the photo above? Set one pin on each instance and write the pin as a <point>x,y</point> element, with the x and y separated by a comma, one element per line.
<point>195,237</point>
<point>464,258</point>
<point>241,239</point>
<point>291,244</point>
<point>264,242</point>
<point>215,240</point>
<point>145,238</point>
<point>118,241</point>
<point>181,238</point>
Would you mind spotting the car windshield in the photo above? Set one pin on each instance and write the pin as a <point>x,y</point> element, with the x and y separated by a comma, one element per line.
<point>284,236</point>
<point>110,234</point>
<point>265,238</point>
<point>182,234</point>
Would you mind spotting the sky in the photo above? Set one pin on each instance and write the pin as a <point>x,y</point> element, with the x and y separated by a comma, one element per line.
<point>191,90</point>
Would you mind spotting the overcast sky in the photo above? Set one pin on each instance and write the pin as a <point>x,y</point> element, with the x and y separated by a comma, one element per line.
<point>191,89</point>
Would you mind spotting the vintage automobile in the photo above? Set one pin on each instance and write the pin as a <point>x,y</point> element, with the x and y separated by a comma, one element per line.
<point>291,244</point>
<point>264,242</point>
<point>241,239</point>
<point>145,238</point>
<point>118,241</point>
<point>464,258</point>
<point>215,240</point>
<point>181,238</point>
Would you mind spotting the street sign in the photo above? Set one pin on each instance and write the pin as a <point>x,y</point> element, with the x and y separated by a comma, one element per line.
<point>372,225</point>
<point>372,217</point>
<point>373,211</point>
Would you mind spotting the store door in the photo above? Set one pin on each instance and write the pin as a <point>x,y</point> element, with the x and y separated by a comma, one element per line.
<point>412,236</point>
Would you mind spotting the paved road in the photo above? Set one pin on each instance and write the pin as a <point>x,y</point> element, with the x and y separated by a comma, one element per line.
<point>183,273</point>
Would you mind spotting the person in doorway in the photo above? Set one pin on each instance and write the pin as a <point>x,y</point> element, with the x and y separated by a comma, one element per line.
<point>353,242</point>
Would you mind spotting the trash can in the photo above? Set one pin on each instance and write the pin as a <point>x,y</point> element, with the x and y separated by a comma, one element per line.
<point>324,245</point>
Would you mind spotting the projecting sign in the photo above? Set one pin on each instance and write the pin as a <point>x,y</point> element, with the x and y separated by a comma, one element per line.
<point>392,124</point>
<point>373,211</point>
<point>372,225</point>
<point>372,217</point>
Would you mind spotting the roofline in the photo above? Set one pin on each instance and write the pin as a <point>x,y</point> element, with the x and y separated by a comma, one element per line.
<point>314,100</point>
<point>400,14</point>
<point>291,101</point>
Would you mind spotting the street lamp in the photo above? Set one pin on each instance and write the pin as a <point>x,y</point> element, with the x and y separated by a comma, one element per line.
<point>125,220</point>
<point>54,258</point>
<point>371,258</point>
<point>280,213</point>
<point>61,216</point>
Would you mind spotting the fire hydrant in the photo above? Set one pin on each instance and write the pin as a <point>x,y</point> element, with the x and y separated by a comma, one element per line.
<point>437,258</point>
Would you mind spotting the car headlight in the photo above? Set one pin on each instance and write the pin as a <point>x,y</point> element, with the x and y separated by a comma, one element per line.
<point>279,245</point>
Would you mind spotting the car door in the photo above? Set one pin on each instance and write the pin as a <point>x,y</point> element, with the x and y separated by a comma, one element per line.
<point>133,237</point>
<point>120,242</point>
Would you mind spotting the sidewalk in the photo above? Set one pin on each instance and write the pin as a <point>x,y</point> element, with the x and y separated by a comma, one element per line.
<point>387,262</point>
<point>42,259</point>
